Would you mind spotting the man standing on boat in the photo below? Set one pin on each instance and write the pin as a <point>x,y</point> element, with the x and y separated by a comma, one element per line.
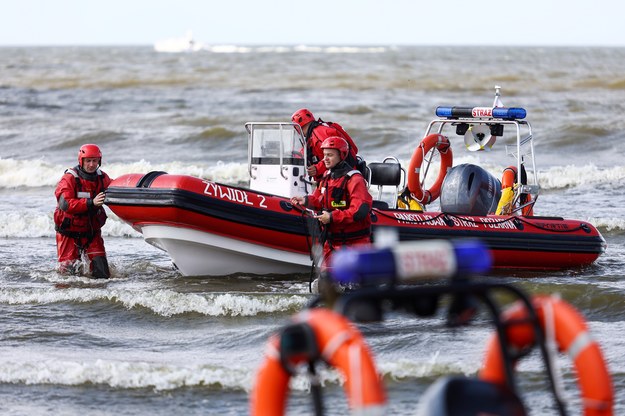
<point>79,214</point>
<point>342,200</point>
<point>315,132</point>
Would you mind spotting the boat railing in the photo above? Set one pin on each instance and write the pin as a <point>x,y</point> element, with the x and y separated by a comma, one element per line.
<point>522,149</point>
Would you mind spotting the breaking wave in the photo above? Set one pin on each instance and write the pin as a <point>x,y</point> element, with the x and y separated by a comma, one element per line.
<point>162,302</point>
<point>38,173</point>
<point>124,374</point>
<point>33,224</point>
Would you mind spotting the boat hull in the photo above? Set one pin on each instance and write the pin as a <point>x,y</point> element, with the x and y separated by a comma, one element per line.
<point>210,228</point>
<point>197,253</point>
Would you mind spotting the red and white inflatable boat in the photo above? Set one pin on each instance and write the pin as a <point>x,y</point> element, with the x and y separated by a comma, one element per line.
<point>210,228</point>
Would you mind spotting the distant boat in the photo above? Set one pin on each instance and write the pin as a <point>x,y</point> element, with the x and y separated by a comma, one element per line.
<point>182,44</point>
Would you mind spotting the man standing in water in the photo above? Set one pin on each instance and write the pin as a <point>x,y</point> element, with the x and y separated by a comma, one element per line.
<point>79,214</point>
<point>343,199</point>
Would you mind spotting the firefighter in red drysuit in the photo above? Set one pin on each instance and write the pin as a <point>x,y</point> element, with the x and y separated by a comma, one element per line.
<point>343,199</point>
<point>315,132</point>
<point>79,214</point>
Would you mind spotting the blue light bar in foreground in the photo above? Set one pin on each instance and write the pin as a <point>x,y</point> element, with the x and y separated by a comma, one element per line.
<point>410,261</point>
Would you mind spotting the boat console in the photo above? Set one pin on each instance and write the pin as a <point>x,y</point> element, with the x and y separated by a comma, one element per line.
<point>276,158</point>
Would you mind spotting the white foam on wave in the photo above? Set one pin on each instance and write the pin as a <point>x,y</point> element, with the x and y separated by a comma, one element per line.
<point>405,368</point>
<point>35,224</point>
<point>186,44</point>
<point>161,302</point>
<point>339,49</point>
<point>395,370</point>
<point>123,374</point>
<point>115,227</point>
<point>39,173</point>
<point>555,177</point>
<point>609,224</point>
<point>157,375</point>
<point>558,177</point>
<point>227,49</point>
<point>26,224</point>
<point>30,173</point>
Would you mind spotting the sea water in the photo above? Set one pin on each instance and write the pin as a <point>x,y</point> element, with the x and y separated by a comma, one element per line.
<point>150,341</point>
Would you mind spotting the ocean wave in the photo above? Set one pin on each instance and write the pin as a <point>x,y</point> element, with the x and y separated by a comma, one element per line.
<point>39,173</point>
<point>26,224</point>
<point>30,173</point>
<point>559,177</point>
<point>614,225</point>
<point>127,374</point>
<point>298,48</point>
<point>101,137</point>
<point>124,374</point>
<point>161,302</point>
<point>409,369</point>
<point>160,375</point>
<point>213,133</point>
<point>34,224</point>
<point>340,49</point>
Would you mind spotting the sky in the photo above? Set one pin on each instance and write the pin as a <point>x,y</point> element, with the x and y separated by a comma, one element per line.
<point>314,22</point>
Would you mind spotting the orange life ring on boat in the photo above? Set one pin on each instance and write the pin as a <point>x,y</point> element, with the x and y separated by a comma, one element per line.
<point>508,179</point>
<point>571,335</point>
<point>440,143</point>
<point>340,345</point>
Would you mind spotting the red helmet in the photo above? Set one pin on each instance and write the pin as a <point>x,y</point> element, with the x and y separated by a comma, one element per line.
<point>302,117</point>
<point>338,143</point>
<point>89,150</point>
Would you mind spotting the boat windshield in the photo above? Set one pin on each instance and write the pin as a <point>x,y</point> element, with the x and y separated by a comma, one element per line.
<point>276,143</point>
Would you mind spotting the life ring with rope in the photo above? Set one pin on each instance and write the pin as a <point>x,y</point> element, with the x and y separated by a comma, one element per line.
<point>339,344</point>
<point>508,180</point>
<point>508,177</point>
<point>567,327</point>
<point>432,141</point>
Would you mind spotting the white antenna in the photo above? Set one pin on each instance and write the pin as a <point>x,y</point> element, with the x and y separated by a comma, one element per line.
<point>497,102</point>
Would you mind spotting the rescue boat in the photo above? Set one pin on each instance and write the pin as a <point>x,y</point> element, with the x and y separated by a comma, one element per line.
<point>211,228</point>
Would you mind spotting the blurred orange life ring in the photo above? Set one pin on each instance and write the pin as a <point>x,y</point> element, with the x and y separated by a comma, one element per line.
<point>432,141</point>
<point>341,346</point>
<point>571,335</point>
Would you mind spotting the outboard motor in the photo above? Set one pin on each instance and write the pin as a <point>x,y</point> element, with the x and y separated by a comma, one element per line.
<point>459,396</point>
<point>470,190</point>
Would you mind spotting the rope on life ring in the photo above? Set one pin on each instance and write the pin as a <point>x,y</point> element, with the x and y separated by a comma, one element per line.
<point>571,335</point>
<point>340,345</point>
<point>432,141</point>
<point>508,191</point>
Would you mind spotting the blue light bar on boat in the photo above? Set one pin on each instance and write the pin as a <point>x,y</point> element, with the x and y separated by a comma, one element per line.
<point>410,261</point>
<point>512,113</point>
